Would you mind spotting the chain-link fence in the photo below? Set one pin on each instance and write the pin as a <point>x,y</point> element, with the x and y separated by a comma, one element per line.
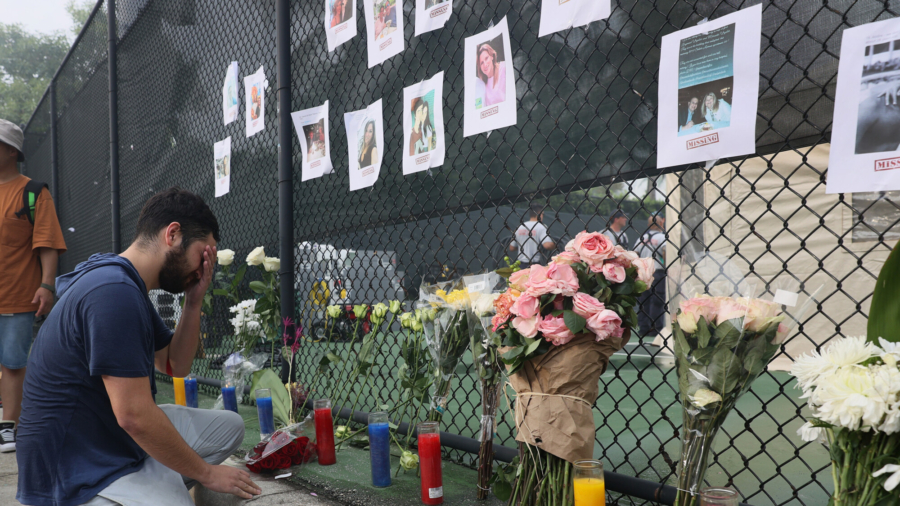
<point>583,147</point>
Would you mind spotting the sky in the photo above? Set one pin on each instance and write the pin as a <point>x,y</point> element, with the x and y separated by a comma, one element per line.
<point>45,16</point>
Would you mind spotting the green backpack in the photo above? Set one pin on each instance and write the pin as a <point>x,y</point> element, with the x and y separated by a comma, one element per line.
<point>29,197</point>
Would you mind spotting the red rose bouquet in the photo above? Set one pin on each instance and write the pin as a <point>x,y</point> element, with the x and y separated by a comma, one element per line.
<point>283,449</point>
<point>559,324</point>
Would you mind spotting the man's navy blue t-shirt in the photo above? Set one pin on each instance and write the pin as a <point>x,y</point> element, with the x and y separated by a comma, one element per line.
<point>69,444</point>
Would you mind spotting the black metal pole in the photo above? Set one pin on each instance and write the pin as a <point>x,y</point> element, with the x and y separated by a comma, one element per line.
<point>113,127</point>
<point>54,152</point>
<point>285,169</point>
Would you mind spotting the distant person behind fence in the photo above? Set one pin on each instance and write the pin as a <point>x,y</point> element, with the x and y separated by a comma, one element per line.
<point>651,317</point>
<point>530,237</point>
<point>91,432</point>
<point>616,230</point>
<point>30,244</point>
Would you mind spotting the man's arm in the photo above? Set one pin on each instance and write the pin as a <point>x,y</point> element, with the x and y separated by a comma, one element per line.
<point>49,260</point>
<point>151,429</point>
<point>179,354</point>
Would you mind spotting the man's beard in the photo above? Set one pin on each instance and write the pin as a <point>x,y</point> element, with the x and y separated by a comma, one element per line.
<point>175,276</point>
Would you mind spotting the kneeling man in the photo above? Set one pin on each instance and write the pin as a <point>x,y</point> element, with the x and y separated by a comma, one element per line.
<point>90,431</point>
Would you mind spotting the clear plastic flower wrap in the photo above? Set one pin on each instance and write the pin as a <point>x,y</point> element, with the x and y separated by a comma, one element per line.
<point>237,372</point>
<point>483,289</point>
<point>294,445</point>
<point>725,335</point>
<point>442,310</point>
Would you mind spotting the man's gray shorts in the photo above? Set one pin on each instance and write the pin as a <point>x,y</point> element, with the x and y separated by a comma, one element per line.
<point>213,434</point>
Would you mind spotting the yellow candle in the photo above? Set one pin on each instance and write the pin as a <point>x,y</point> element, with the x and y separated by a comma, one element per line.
<point>589,492</point>
<point>179,391</point>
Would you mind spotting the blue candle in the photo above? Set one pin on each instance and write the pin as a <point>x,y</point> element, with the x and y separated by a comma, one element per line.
<point>380,450</point>
<point>190,392</point>
<point>229,398</point>
<point>266,418</point>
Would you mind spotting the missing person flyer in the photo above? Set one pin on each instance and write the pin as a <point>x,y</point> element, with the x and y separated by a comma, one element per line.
<point>708,90</point>
<point>490,81</point>
<point>255,97</point>
<point>384,27</point>
<point>365,141</point>
<point>432,14</point>
<point>558,15</point>
<point>230,93</point>
<point>222,166</point>
<point>423,125</point>
<point>865,134</point>
<point>340,22</point>
<point>315,146</point>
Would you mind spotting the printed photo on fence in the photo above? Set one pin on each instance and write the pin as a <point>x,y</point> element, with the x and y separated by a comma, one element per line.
<point>365,142</point>
<point>432,14</point>
<point>222,166</point>
<point>709,82</point>
<point>315,147</point>
<point>340,22</point>
<point>384,26</point>
<point>230,93</point>
<point>865,134</point>
<point>558,15</point>
<point>423,125</point>
<point>490,81</point>
<point>255,97</point>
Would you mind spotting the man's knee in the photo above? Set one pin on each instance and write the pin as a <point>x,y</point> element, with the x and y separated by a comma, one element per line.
<point>233,427</point>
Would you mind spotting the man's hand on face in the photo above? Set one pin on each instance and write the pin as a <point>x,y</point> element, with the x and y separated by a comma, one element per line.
<point>43,297</point>
<point>195,291</point>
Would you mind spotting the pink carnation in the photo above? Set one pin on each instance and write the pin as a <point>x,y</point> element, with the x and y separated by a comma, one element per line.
<point>566,257</point>
<point>604,324</point>
<point>555,331</point>
<point>586,306</point>
<point>526,306</point>
<point>528,327</point>
<point>645,269</point>
<point>592,247</point>
<point>613,272</point>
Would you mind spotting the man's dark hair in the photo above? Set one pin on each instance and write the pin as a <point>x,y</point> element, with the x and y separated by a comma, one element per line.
<point>535,211</point>
<point>176,205</point>
<point>618,214</point>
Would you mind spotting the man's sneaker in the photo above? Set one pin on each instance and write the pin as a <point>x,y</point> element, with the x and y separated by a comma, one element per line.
<point>7,437</point>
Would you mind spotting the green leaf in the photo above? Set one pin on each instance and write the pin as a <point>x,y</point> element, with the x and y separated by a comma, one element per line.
<point>884,314</point>
<point>681,345</point>
<point>221,292</point>
<point>703,355</point>
<point>624,288</point>
<point>640,286</point>
<point>258,286</point>
<point>281,401</point>
<point>574,321</point>
<point>502,490</point>
<point>532,345</point>
<point>702,334</point>
<point>728,333</point>
<point>513,353</point>
<point>724,371</point>
<point>238,276</point>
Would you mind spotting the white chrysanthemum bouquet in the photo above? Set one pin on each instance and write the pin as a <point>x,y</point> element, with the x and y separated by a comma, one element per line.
<point>853,391</point>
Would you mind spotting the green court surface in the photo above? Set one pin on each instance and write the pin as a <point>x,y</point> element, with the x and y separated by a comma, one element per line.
<point>637,422</point>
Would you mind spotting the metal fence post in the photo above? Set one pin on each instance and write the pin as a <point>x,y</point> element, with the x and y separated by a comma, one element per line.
<point>113,127</point>
<point>285,169</point>
<point>54,150</point>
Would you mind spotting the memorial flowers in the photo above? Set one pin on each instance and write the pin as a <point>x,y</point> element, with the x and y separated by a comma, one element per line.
<point>442,312</point>
<point>852,388</point>
<point>559,324</point>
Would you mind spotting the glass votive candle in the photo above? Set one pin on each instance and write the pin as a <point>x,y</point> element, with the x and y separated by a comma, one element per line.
<point>179,391</point>
<point>324,431</point>
<point>229,397</point>
<point>266,415</point>
<point>430,463</point>
<point>380,449</point>
<point>588,483</point>
<point>190,392</point>
<point>719,496</point>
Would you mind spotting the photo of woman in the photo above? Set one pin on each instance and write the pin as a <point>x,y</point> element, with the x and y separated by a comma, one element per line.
<point>315,140</point>
<point>385,18</point>
<point>716,109</point>
<point>422,138</point>
<point>491,70</point>
<point>255,101</point>
<point>341,11</point>
<point>368,151</point>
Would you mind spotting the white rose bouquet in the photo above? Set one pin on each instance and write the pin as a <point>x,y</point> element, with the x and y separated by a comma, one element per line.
<point>853,390</point>
<point>722,344</point>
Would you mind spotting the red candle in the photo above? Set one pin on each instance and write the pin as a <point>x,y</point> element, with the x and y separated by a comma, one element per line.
<point>430,463</point>
<point>324,432</point>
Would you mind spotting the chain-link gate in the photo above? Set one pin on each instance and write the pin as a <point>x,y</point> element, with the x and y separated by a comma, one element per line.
<point>583,147</point>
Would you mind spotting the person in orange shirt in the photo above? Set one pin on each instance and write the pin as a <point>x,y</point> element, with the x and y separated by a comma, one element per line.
<point>29,251</point>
